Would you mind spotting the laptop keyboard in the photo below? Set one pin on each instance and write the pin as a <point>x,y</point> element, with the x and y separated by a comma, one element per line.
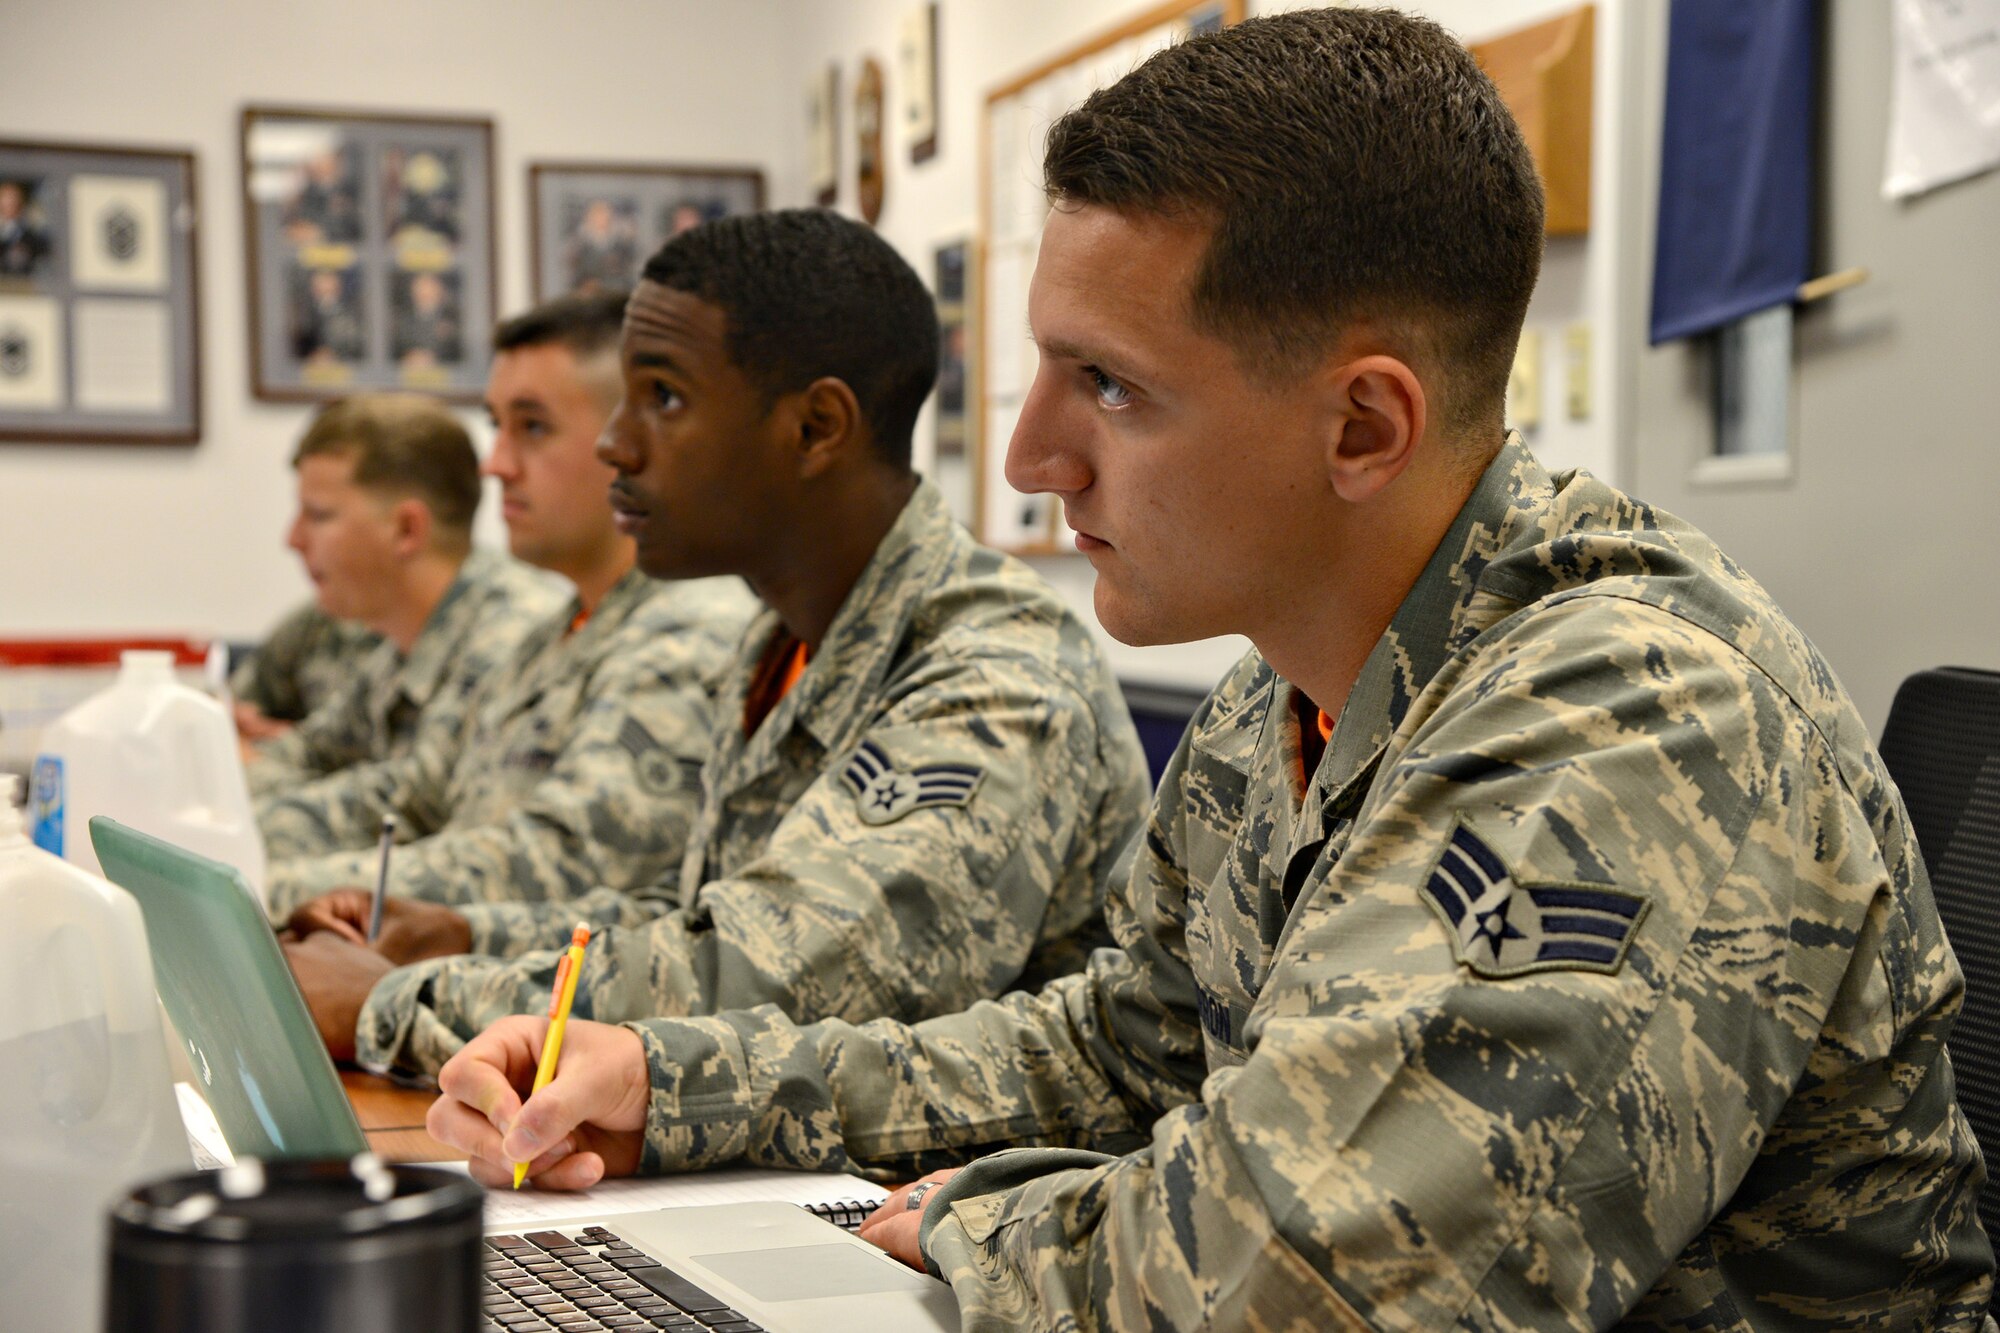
<point>580,1281</point>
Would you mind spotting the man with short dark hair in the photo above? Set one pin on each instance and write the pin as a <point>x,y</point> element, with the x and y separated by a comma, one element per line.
<point>1526,935</point>
<point>575,765</point>
<point>923,769</point>
<point>388,485</point>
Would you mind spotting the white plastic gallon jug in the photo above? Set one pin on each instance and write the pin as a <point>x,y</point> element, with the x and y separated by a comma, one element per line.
<point>86,1103</point>
<point>152,754</point>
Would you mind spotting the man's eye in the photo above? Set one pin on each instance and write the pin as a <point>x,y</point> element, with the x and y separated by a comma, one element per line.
<point>1109,391</point>
<point>665,398</point>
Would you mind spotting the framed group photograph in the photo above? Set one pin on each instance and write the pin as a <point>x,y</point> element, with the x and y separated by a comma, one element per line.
<point>594,224</point>
<point>369,239</point>
<point>99,312</point>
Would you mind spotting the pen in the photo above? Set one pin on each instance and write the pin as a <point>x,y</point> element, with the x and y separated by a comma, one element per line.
<point>559,1003</point>
<point>381,878</point>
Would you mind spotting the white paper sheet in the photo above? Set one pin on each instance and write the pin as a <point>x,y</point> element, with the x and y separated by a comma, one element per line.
<point>124,356</point>
<point>639,1194</point>
<point>1944,119</point>
<point>118,233</point>
<point>31,353</point>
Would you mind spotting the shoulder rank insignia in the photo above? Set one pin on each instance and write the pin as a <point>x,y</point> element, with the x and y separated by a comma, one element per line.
<point>884,793</point>
<point>1502,928</point>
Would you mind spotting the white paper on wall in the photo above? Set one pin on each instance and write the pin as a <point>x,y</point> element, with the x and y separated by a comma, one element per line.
<point>1944,118</point>
<point>124,356</point>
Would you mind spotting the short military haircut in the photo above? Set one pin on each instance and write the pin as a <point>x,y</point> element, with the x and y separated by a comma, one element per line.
<point>806,293</point>
<point>1355,165</point>
<point>402,444</point>
<point>589,325</point>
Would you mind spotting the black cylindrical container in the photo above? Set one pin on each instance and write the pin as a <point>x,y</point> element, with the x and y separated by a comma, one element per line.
<point>303,1247</point>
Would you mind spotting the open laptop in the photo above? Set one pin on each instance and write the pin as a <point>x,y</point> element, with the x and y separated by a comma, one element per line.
<point>730,1268</point>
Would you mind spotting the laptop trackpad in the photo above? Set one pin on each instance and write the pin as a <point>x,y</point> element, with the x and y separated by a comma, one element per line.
<point>803,1272</point>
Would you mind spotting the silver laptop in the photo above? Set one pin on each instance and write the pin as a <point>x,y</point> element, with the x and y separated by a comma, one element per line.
<point>275,1094</point>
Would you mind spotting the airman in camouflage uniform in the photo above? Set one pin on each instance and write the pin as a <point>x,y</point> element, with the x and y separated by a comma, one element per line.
<point>302,663</point>
<point>1579,971</point>
<point>1594,978</point>
<point>575,767</point>
<point>393,697</point>
<point>923,820</point>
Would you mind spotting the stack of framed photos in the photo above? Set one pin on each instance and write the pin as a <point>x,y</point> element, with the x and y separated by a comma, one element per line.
<point>370,242</point>
<point>98,303</point>
<point>596,223</point>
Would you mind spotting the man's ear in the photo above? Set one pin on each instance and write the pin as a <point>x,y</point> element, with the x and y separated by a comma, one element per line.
<point>410,527</point>
<point>827,417</point>
<point>1379,417</point>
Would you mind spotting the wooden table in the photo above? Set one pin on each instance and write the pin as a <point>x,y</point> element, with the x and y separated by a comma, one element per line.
<point>392,1116</point>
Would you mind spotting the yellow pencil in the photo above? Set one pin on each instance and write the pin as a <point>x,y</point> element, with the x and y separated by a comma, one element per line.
<point>559,1003</point>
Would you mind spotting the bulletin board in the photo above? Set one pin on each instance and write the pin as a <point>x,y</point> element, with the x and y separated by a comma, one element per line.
<point>1012,209</point>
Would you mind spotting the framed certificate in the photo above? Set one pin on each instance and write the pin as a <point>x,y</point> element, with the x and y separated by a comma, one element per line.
<point>369,240</point>
<point>99,311</point>
<point>594,224</point>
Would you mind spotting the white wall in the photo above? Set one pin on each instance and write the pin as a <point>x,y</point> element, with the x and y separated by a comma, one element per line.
<point>110,538</point>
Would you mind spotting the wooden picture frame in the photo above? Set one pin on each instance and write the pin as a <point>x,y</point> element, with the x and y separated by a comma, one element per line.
<point>100,307</point>
<point>593,225</point>
<point>1013,127</point>
<point>917,69</point>
<point>370,247</point>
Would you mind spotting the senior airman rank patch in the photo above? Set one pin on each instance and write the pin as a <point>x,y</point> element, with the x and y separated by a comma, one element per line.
<point>1500,927</point>
<point>884,793</point>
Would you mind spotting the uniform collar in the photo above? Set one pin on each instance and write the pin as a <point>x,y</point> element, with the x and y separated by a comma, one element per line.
<point>627,595</point>
<point>848,664</point>
<point>1444,610</point>
<point>429,662</point>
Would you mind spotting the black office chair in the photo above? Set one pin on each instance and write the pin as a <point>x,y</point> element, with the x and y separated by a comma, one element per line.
<point>1942,747</point>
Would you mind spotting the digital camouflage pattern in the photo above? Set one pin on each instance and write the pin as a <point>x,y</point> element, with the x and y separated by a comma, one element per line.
<point>393,698</point>
<point>302,663</point>
<point>925,819</point>
<point>1340,1107</point>
<point>577,770</point>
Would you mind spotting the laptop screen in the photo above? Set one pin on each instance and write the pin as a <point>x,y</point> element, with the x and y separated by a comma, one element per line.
<point>256,1055</point>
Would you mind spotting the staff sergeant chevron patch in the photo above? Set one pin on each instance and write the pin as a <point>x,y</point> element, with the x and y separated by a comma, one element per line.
<point>884,793</point>
<point>1500,927</point>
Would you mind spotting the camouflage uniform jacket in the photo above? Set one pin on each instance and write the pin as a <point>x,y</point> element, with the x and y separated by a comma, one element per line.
<point>926,818</point>
<point>394,697</point>
<point>302,663</point>
<point>1593,981</point>
<point>578,768</point>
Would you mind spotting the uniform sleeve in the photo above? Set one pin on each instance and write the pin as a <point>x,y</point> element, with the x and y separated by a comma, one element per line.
<point>1519,1045</point>
<point>331,737</point>
<point>324,833</point>
<point>987,778</point>
<point>613,807</point>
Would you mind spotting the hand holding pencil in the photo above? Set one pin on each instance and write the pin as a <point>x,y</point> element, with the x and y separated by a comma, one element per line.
<point>559,1005</point>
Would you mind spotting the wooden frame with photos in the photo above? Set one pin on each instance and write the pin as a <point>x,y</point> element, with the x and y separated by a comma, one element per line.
<point>591,222</point>
<point>369,240</point>
<point>100,309</point>
<point>1013,126</point>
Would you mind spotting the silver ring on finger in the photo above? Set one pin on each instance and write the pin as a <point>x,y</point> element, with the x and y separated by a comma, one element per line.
<point>915,1199</point>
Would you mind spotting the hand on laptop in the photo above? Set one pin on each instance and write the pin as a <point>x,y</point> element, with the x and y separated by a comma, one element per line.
<point>335,975</point>
<point>895,1225</point>
<point>588,1123</point>
<point>412,930</point>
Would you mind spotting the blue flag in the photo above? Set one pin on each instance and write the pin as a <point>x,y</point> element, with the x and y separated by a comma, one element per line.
<point>1736,169</point>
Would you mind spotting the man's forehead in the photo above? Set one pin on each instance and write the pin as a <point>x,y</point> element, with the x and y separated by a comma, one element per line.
<point>1109,282</point>
<point>658,313</point>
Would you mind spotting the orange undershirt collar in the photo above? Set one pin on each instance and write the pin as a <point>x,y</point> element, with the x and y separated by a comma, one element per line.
<point>784,661</point>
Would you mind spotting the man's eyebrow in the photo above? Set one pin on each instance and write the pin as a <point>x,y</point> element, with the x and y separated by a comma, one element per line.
<point>653,361</point>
